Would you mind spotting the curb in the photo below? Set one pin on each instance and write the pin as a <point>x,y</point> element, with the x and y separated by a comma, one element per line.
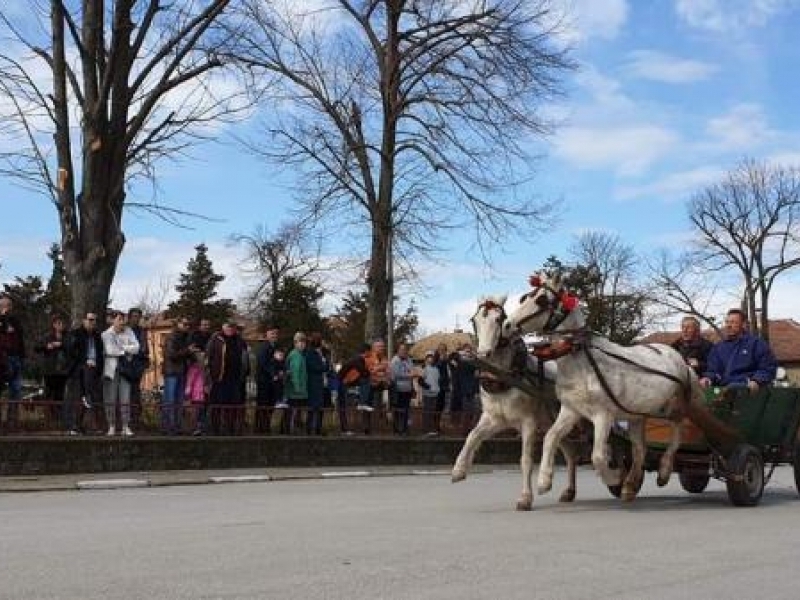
<point>45,484</point>
<point>112,484</point>
<point>240,479</point>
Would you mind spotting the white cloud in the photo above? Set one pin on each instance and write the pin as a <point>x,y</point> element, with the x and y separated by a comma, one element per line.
<point>147,262</point>
<point>675,186</point>
<point>789,158</point>
<point>743,127</point>
<point>720,16</point>
<point>657,66</point>
<point>587,19</point>
<point>605,91</point>
<point>627,150</point>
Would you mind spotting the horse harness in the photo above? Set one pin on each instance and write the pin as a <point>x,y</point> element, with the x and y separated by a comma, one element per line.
<point>578,341</point>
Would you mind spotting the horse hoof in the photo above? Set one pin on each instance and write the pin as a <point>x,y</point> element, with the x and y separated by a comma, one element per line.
<point>543,489</point>
<point>524,505</point>
<point>662,481</point>
<point>458,476</point>
<point>628,495</point>
<point>567,495</point>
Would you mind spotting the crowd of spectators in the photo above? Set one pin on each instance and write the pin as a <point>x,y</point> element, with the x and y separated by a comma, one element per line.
<point>97,371</point>
<point>93,381</point>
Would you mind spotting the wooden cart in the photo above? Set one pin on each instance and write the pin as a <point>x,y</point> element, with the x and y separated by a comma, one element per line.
<point>738,437</point>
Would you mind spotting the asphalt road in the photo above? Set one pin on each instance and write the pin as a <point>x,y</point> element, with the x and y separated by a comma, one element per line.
<point>398,538</point>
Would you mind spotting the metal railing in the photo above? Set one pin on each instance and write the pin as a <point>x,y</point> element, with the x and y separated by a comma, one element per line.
<point>36,415</point>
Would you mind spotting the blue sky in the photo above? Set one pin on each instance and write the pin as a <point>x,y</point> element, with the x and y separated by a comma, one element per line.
<point>669,95</point>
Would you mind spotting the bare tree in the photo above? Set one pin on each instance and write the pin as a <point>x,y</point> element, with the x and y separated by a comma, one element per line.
<point>415,118</point>
<point>609,269</point>
<point>97,92</point>
<point>271,257</point>
<point>679,285</point>
<point>750,221</point>
<point>152,300</point>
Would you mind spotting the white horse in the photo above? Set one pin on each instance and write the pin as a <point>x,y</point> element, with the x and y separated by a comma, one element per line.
<point>603,381</point>
<point>506,407</point>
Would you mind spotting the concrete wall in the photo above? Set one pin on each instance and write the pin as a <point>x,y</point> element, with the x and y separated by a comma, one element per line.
<point>52,456</point>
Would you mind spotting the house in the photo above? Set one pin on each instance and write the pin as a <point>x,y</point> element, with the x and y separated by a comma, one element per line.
<point>453,340</point>
<point>784,337</point>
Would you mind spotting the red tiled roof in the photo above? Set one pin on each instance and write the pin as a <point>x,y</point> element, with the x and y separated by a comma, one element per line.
<point>784,338</point>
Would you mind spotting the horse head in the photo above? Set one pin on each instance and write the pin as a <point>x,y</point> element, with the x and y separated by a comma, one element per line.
<point>488,323</point>
<point>548,307</point>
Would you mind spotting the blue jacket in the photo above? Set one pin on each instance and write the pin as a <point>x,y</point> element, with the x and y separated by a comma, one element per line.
<point>733,362</point>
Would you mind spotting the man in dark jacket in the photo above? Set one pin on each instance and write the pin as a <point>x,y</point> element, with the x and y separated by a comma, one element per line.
<point>176,358</point>
<point>694,348</point>
<point>465,389</point>
<point>224,358</point>
<point>143,356</point>
<point>441,360</point>
<point>266,385</point>
<point>12,349</point>
<point>741,359</point>
<point>85,365</point>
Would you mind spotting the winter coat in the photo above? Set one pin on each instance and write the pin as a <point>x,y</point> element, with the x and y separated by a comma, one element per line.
<point>176,353</point>
<point>464,379</point>
<point>378,367</point>
<point>55,361</point>
<point>78,349</point>
<point>195,382</point>
<point>316,367</point>
<point>431,384</point>
<point>224,358</point>
<point>296,376</point>
<point>116,345</point>
<point>12,338</point>
<point>697,350</point>
<point>401,372</point>
<point>733,362</point>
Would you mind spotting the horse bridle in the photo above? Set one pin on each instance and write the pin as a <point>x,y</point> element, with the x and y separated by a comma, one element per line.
<point>486,306</point>
<point>550,304</point>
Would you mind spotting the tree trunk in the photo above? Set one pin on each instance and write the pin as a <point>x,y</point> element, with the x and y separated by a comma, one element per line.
<point>764,324</point>
<point>91,287</point>
<point>377,287</point>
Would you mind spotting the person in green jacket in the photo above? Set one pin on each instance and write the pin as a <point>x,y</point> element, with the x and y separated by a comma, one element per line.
<point>296,389</point>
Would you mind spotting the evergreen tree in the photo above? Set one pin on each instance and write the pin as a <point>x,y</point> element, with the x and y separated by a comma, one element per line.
<point>294,307</point>
<point>197,289</point>
<point>350,320</point>
<point>58,297</point>
<point>29,297</point>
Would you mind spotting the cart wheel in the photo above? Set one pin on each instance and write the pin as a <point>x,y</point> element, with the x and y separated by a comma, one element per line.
<point>797,467</point>
<point>745,462</point>
<point>694,483</point>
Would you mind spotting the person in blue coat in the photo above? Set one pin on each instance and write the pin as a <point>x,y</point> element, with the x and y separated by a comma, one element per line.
<point>740,359</point>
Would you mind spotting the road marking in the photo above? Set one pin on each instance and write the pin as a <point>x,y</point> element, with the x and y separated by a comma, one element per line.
<point>111,484</point>
<point>431,472</point>
<point>334,474</point>
<point>239,478</point>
